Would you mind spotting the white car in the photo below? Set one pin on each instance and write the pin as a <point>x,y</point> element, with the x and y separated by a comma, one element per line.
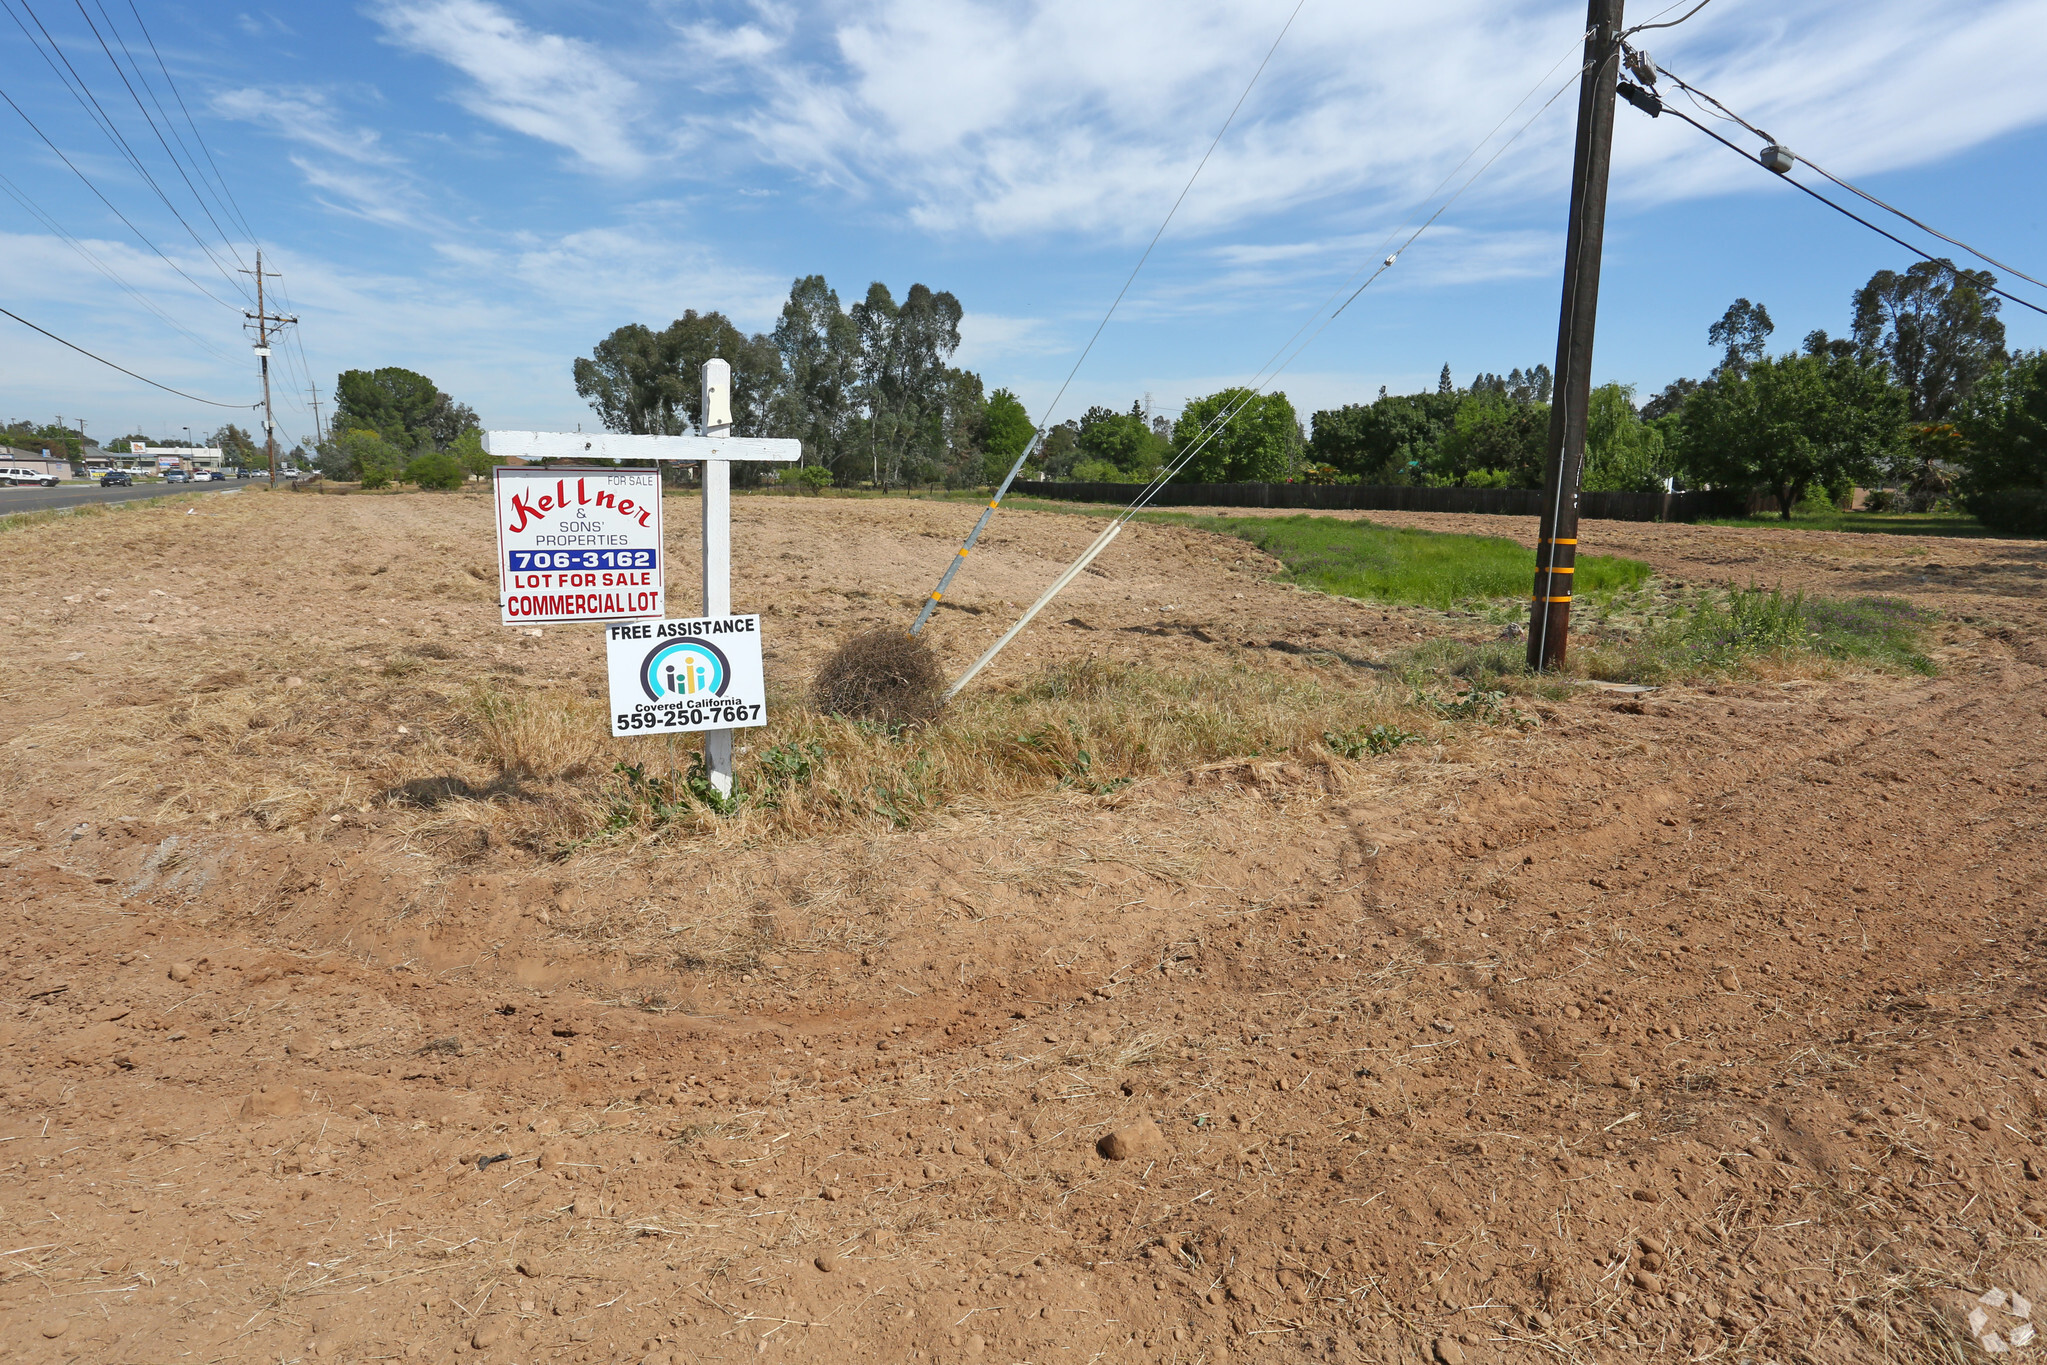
<point>14,476</point>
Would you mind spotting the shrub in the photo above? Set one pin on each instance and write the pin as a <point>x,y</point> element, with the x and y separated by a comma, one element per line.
<point>374,477</point>
<point>2012,511</point>
<point>811,478</point>
<point>437,471</point>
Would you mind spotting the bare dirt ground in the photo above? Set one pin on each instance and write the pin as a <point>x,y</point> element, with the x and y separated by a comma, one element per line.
<point>1703,1025</point>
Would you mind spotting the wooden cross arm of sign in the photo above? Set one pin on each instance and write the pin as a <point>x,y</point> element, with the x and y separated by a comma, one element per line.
<point>606,445</point>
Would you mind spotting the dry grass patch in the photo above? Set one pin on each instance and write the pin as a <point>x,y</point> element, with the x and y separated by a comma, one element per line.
<point>457,767</point>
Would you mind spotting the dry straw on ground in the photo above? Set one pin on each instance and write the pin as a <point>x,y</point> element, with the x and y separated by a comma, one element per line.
<point>881,675</point>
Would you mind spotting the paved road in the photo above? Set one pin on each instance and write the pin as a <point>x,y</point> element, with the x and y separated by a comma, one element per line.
<point>78,495</point>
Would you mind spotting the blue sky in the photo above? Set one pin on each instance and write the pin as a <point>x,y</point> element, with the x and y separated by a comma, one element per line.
<point>481,189</point>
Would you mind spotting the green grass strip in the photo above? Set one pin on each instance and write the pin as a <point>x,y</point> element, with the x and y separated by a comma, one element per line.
<point>1358,558</point>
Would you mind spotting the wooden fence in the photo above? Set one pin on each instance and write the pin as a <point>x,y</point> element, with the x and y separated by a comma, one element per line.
<point>1507,502</point>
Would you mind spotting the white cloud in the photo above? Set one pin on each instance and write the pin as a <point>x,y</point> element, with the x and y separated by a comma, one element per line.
<point>559,90</point>
<point>1018,120</point>
<point>374,198</point>
<point>988,337</point>
<point>1861,86</point>
<point>307,116</point>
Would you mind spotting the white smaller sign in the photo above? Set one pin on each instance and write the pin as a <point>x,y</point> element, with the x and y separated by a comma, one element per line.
<point>672,677</point>
<point>579,544</point>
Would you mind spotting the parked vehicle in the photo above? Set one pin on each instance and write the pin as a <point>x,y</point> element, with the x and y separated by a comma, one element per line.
<point>174,476</point>
<point>215,476</point>
<point>15,476</point>
<point>117,478</point>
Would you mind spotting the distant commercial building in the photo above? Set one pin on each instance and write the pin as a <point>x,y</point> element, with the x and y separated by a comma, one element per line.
<point>160,458</point>
<point>48,462</point>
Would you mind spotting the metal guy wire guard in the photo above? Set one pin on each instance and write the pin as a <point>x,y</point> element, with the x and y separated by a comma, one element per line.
<point>987,514</point>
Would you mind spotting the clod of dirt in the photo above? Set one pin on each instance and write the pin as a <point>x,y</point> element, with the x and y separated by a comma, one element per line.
<point>52,1326</point>
<point>827,1262</point>
<point>1448,1352</point>
<point>880,675</point>
<point>272,1102</point>
<point>1142,1138</point>
<point>1728,980</point>
<point>533,1267</point>
<point>181,971</point>
<point>487,1334</point>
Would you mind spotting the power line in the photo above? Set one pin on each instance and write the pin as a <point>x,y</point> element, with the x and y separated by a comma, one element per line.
<point>1643,28</point>
<point>101,196</point>
<point>82,92</point>
<point>178,95</point>
<point>143,77</point>
<point>1697,94</point>
<point>945,579</point>
<point>176,165</point>
<point>1847,212</point>
<point>112,275</point>
<point>122,368</point>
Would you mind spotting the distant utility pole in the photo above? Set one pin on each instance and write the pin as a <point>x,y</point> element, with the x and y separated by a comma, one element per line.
<point>1556,546</point>
<point>319,432</point>
<point>264,319</point>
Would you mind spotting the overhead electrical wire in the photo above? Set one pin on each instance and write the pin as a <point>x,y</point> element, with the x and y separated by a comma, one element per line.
<point>1274,366</point>
<point>161,141</point>
<point>113,276</point>
<point>1654,105</point>
<point>211,402</point>
<point>1696,94</point>
<point>81,91</point>
<point>1037,434</point>
<point>140,235</point>
<point>171,81</point>
<point>1644,28</point>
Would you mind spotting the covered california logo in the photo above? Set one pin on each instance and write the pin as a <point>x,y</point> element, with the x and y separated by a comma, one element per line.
<point>684,668</point>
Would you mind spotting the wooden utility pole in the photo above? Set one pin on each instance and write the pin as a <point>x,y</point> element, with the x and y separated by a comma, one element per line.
<point>1556,549</point>
<point>263,320</point>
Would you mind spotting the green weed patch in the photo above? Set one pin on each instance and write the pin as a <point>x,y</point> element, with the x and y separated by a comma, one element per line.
<point>1356,558</point>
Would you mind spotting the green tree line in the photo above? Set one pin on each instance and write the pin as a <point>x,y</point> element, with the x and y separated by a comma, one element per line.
<point>869,389</point>
<point>1921,394</point>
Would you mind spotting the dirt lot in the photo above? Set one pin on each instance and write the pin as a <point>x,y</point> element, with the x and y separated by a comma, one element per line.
<point>1700,1025</point>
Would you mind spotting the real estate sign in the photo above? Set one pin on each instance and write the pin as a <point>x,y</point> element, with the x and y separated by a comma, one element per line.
<point>579,544</point>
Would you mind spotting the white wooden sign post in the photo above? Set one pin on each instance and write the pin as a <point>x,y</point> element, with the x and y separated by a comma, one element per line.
<point>714,450</point>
